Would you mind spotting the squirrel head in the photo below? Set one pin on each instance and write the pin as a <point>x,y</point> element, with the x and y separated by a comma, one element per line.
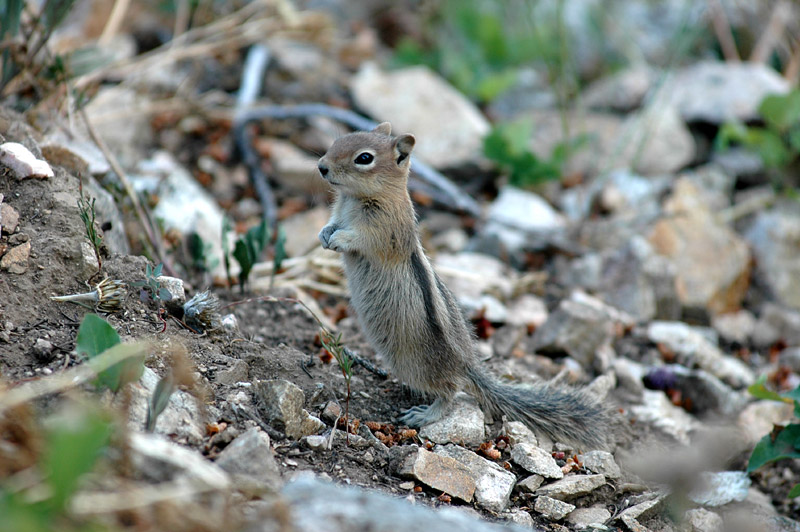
<point>367,163</point>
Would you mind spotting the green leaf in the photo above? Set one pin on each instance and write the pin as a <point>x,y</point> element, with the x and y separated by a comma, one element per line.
<point>128,369</point>
<point>778,444</point>
<point>164,294</point>
<point>74,441</point>
<point>157,271</point>
<point>781,112</point>
<point>770,146</point>
<point>248,249</point>
<point>793,395</point>
<point>95,335</point>
<point>280,249</point>
<point>158,402</point>
<point>759,390</point>
<point>794,139</point>
<point>794,492</point>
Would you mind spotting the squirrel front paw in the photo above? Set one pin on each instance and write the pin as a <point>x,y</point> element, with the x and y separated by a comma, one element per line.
<point>325,235</point>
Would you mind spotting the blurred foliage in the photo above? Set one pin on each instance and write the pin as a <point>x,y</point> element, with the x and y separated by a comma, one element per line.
<point>778,140</point>
<point>508,145</point>
<point>480,46</point>
<point>783,441</point>
<point>37,499</point>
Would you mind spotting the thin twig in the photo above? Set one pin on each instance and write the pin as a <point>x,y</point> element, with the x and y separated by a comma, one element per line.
<point>459,198</point>
<point>792,70</point>
<point>773,32</point>
<point>144,220</point>
<point>114,21</point>
<point>181,19</point>
<point>722,29</point>
<point>366,364</point>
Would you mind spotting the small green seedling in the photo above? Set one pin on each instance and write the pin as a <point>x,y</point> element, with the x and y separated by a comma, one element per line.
<point>151,286</point>
<point>248,249</point>
<point>783,441</point>
<point>334,346</point>
<point>86,210</point>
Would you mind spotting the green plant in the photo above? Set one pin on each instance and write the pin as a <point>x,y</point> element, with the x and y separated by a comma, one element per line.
<point>73,440</point>
<point>333,344</point>
<point>200,253</point>
<point>151,286</point>
<point>96,336</point>
<point>783,441</point>
<point>508,146</point>
<point>86,210</point>
<point>248,249</point>
<point>778,140</point>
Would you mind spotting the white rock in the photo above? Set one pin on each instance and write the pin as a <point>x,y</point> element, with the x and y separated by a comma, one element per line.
<point>493,484</point>
<point>530,484</point>
<point>22,162</point>
<point>527,310</point>
<point>702,520</point>
<point>175,288</point>
<point>463,423</point>
<point>584,517</point>
<point>302,229</point>
<point>519,517</point>
<point>721,488</point>
<point>693,348</point>
<point>657,410</point>
<point>250,455</point>
<point>470,275</point>
<point>448,127</point>
<point>536,460</point>
<point>601,462</point>
<point>114,114</point>
<point>719,91</point>
<point>284,406</point>
<point>572,486</point>
<point>519,432</point>
<point>161,460</point>
<point>735,326</point>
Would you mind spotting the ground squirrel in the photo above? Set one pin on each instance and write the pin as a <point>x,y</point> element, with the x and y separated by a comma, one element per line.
<point>408,315</point>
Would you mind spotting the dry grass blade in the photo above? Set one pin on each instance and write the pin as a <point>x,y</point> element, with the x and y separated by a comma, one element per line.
<point>722,29</point>
<point>773,32</point>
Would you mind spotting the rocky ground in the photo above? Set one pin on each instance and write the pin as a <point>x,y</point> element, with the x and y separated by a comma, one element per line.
<point>660,271</point>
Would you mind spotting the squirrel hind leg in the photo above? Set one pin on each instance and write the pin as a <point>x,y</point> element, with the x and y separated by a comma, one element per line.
<point>418,416</point>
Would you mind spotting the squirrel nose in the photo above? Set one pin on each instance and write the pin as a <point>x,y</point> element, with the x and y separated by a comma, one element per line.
<point>323,169</point>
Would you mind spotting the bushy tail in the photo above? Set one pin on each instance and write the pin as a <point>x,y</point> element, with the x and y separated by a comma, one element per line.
<point>565,414</point>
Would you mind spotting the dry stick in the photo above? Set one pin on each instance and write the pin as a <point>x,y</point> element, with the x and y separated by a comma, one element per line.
<point>773,32</point>
<point>181,19</point>
<point>114,21</point>
<point>792,70</point>
<point>459,198</point>
<point>366,364</point>
<point>144,220</point>
<point>722,28</point>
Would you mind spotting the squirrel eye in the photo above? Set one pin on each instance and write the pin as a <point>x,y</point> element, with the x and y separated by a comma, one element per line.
<point>364,158</point>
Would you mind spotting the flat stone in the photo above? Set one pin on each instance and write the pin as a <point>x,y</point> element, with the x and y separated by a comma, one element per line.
<point>735,326</point>
<point>128,143</point>
<point>518,432</point>
<point>601,462</point>
<point>493,484</point>
<point>720,488</point>
<point>702,520</point>
<point>159,460</point>
<point>462,423</point>
<point>284,402</point>
<point>303,228</point>
<point>643,510</point>
<point>9,218</point>
<point>553,509</point>
<point>536,460</point>
<point>15,259</point>
<point>440,473</point>
<point>448,127</point>
<point>527,310</point>
<point>717,92</point>
<point>530,484</point>
<point>692,348</point>
<point>470,275</point>
<point>22,163</point>
<point>249,455</point>
<point>237,371</point>
<point>584,517</point>
<point>572,486</point>
<point>294,169</point>
<point>657,410</point>
<point>712,262</point>
<point>622,91</point>
<point>519,517</point>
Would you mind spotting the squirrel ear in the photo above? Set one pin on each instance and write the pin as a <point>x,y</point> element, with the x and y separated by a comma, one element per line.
<point>384,129</point>
<point>404,145</point>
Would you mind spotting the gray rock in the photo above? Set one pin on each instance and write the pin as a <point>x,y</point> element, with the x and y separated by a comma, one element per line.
<point>237,371</point>
<point>692,348</point>
<point>530,484</point>
<point>629,375</point>
<point>735,326</point>
<point>702,520</point>
<point>157,459</point>
<point>491,309</point>
<point>553,509</point>
<point>773,236</point>
<point>601,462</point>
<point>283,402</point>
<point>128,141</point>
<point>577,329</point>
<point>713,262</point>
<point>470,275</point>
<point>720,488</point>
<point>519,432</point>
<point>572,486</point>
<point>584,517</point>
<point>316,442</point>
<point>43,350</point>
<point>174,286</point>
<point>439,472</point>
<point>622,91</point>
<point>302,229</point>
<point>249,455</point>
<point>790,357</point>
<point>759,418</point>
<point>519,517</point>
<point>449,128</point>
<point>182,420</point>
<point>777,323</point>
<point>314,505</point>
<point>297,171</point>
<point>527,310</point>
<point>536,460</point>
<point>716,92</point>
<point>183,204</point>
<point>643,510</point>
<point>463,423</point>
<point>621,193</point>
<point>79,149</point>
<point>493,484</point>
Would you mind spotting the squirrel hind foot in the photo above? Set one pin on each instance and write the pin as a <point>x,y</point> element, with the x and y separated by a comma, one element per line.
<point>421,415</point>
